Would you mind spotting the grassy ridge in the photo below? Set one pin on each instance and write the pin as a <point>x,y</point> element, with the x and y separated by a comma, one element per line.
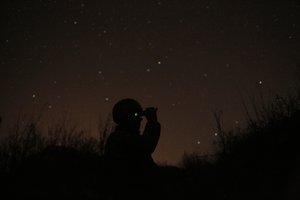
<point>259,162</point>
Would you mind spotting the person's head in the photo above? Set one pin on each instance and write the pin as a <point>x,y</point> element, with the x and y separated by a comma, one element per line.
<point>128,113</point>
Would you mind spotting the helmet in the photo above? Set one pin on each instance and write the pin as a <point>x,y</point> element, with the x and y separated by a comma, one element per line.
<point>125,110</point>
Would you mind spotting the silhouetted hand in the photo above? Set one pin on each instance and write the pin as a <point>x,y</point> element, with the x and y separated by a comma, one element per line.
<point>150,114</point>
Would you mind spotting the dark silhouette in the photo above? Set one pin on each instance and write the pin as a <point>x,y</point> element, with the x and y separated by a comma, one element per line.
<point>260,162</point>
<point>128,153</point>
<point>57,172</point>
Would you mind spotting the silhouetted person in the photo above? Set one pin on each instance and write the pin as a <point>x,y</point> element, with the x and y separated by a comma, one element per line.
<point>128,152</point>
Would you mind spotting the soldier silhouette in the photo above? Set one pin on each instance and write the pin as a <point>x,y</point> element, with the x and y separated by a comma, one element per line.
<point>127,151</point>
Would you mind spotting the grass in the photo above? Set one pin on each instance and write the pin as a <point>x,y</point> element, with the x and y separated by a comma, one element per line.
<point>26,139</point>
<point>257,162</point>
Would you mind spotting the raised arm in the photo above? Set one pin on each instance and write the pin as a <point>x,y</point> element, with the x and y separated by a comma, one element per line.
<point>152,129</point>
<point>151,136</point>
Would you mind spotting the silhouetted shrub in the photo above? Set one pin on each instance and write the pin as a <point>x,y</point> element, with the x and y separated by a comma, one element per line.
<point>40,165</point>
<point>258,162</point>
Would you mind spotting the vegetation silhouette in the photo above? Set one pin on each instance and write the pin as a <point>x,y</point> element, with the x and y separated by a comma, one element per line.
<point>259,162</point>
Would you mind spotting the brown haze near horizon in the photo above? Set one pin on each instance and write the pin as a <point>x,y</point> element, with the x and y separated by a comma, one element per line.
<point>78,58</point>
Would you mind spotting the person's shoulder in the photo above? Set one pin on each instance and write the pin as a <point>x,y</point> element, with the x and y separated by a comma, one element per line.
<point>116,135</point>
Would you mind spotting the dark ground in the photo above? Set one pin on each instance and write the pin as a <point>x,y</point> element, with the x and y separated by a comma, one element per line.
<point>261,163</point>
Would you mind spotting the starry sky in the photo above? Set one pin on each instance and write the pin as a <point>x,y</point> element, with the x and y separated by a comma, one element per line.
<point>77,58</point>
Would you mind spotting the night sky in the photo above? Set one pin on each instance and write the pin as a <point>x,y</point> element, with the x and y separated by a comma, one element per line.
<point>78,58</point>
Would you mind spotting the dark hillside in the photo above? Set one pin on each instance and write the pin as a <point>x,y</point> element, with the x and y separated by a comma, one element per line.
<point>260,162</point>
